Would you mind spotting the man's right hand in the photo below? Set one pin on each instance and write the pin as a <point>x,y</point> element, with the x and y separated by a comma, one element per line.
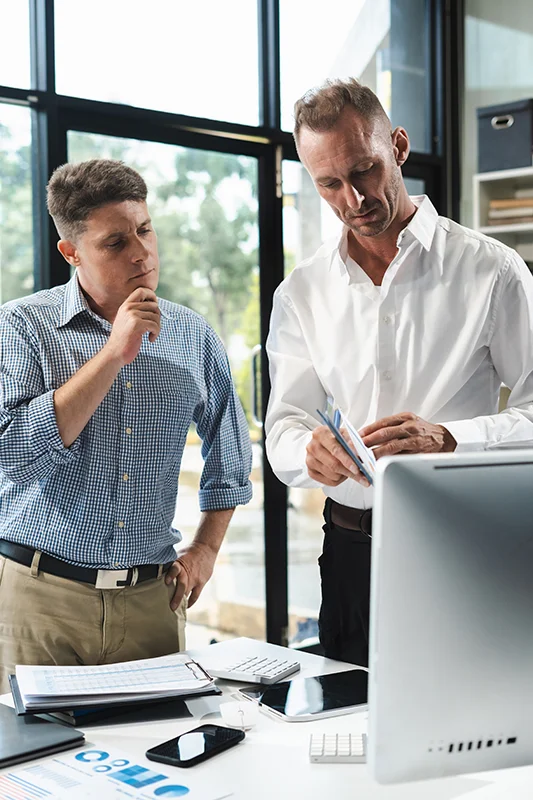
<point>327,462</point>
<point>138,314</point>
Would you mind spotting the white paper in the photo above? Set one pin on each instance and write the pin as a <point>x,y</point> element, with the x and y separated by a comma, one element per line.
<point>150,677</point>
<point>97,773</point>
<point>365,453</point>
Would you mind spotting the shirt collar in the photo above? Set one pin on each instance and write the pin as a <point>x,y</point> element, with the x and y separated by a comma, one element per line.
<point>75,302</point>
<point>422,227</point>
<point>424,222</point>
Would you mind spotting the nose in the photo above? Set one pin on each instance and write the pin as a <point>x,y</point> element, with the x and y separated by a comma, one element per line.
<point>139,251</point>
<point>353,198</point>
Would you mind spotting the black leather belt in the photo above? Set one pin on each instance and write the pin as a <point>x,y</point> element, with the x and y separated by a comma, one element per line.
<point>354,519</point>
<point>101,578</point>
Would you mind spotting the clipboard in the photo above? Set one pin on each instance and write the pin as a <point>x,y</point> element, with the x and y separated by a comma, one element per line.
<point>344,444</point>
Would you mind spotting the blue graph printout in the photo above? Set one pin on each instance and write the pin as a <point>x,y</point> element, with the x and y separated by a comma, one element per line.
<point>98,773</point>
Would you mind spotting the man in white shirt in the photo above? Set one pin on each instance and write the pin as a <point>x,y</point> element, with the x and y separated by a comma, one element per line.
<point>408,324</point>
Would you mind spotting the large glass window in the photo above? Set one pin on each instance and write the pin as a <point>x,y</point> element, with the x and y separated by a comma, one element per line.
<point>204,209</point>
<point>15,43</point>
<point>16,246</point>
<point>199,58</point>
<point>383,43</point>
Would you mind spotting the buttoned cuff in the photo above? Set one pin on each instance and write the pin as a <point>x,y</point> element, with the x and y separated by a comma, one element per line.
<point>467,434</point>
<point>214,499</point>
<point>44,433</point>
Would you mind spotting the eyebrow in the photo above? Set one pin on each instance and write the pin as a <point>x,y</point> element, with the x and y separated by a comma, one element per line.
<point>121,233</point>
<point>325,178</point>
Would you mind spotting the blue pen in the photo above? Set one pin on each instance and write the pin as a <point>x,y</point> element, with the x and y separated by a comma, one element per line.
<point>337,418</point>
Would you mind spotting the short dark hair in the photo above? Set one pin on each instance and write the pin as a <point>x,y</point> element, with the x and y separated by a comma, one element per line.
<point>320,108</point>
<point>75,190</point>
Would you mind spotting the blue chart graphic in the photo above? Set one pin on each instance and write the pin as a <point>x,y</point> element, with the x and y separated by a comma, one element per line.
<point>171,791</point>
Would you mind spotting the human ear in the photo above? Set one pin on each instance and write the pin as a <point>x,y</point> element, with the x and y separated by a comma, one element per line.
<point>400,145</point>
<point>69,252</point>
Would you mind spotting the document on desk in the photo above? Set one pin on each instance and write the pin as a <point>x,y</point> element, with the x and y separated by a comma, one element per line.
<point>146,679</point>
<point>96,772</point>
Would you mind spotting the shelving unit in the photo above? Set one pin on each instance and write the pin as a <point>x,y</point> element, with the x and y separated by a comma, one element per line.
<point>497,186</point>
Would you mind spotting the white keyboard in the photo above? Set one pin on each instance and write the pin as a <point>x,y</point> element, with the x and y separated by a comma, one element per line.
<point>337,748</point>
<point>255,669</point>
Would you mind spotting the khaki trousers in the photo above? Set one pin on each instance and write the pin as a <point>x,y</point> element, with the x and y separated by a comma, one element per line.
<point>45,619</point>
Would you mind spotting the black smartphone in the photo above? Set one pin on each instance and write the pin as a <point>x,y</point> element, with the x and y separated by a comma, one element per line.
<point>195,746</point>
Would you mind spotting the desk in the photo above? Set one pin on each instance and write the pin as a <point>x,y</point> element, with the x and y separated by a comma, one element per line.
<point>273,763</point>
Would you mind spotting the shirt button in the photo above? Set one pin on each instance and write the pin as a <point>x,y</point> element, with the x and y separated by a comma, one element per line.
<point>129,384</point>
<point>128,431</point>
<point>387,320</point>
<point>387,375</point>
<point>125,477</point>
<point>120,524</point>
<point>117,564</point>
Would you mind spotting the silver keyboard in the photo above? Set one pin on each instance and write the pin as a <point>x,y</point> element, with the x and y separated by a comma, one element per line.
<point>255,669</point>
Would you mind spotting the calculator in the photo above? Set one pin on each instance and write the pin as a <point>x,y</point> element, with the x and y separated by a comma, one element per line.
<point>256,669</point>
<point>337,748</point>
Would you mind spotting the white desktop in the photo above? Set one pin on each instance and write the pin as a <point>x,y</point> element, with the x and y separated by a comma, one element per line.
<point>451,641</point>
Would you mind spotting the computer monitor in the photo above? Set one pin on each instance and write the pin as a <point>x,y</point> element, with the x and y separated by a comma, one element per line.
<point>451,632</point>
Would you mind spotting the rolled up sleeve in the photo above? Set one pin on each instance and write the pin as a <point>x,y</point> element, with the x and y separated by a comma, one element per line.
<point>30,445</point>
<point>222,426</point>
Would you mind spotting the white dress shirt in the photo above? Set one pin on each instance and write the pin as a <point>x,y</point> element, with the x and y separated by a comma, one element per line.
<point>451,322</point>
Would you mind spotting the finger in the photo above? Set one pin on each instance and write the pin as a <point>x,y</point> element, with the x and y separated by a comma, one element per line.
<point>325,447</point>
<point>333,477</point>
<point>147,305</point>
<point>172,573</point>
<point>386,435</point>
<point>397,447</point>
<point>140,294</point>
<point>195,594</point>
<point>386,422</point>
<point>323,460</point>
<point>178,596</point>
<point>317,472</point>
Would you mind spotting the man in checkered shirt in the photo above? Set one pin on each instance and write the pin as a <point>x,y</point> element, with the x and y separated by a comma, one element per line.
<point>99,383</point>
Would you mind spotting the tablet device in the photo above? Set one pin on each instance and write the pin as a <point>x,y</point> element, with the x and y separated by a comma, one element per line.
<point>304,699</point>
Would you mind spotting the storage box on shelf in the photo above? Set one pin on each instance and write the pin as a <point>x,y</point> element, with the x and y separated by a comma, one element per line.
<point>508,184</point>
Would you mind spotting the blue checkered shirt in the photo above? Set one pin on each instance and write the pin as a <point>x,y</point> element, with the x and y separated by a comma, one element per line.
<point>77,503</point>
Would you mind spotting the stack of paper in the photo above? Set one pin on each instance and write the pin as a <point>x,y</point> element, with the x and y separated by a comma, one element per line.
<point>147,679</point>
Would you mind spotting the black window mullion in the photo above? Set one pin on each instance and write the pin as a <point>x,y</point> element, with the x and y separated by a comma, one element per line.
<point>269,64</point>
<point>271,271</point>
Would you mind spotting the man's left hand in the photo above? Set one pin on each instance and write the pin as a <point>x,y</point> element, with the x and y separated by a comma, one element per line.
<point>407,433</point>
<point>192,569</point>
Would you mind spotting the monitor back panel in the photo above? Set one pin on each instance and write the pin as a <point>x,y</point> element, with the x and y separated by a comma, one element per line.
<point>451,643</point>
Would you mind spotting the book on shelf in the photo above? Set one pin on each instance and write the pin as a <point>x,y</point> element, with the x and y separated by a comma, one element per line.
<point>511,220</point>
<point>526,192</point>
<point>509,203</point>
<point>505,213</point>
<point>45,689</point>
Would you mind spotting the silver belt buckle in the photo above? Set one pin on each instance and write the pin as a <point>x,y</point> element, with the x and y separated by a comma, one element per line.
<point>110,578</point>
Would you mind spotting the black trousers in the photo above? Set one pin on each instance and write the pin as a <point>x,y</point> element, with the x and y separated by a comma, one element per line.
<point>345,578</point>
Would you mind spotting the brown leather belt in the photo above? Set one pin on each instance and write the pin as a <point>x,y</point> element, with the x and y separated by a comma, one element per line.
<point>354,519</point>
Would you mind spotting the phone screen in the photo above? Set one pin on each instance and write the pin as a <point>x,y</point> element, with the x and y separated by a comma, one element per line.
<point>195,746</point>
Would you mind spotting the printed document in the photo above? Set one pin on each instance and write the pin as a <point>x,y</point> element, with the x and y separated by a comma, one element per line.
<point>148,678</point>
<point>95,772</point>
